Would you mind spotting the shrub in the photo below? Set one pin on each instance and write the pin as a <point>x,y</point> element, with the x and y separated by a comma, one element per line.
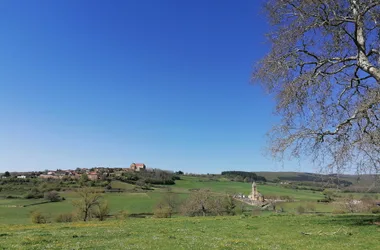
<point>122,215</point>
<point>102,211</point>
<point>300,209</point>
<point>310,207</point>
<point>338,211</point>
<point>67,217</point>
<point>39,218</point>
<point>11,197</point>
<point>162,212</point>
<point>52,196</point>
<point>286,198</point>
<point>229,205</point>
<point>375,210</point>
<point>33,195</point>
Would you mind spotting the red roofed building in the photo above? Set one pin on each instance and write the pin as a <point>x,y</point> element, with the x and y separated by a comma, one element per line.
<point>137,166</point>
<point>93,176</point>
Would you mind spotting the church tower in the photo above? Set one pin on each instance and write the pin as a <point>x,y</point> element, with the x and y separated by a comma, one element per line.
<point>254,192</point>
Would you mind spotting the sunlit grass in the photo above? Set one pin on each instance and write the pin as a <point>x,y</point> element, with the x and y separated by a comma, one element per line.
<point>267,232</point>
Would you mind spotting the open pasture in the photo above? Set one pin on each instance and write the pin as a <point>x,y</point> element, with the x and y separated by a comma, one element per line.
<point>237,232</point>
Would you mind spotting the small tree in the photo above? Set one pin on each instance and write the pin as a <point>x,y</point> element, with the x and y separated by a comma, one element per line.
<point>7,174</point>
<point>102,211</point>
<point>198,203</point>
<point>52,196</point>
<point>83,179</point>
<point>229,205</point>
<point>166,206</point>
<point>88,200</point>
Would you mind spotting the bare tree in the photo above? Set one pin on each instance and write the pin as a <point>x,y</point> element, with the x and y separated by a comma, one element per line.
<point>324,70</point>
<point>167,205</point>
<point>88,200</point>
<point>198,203</point>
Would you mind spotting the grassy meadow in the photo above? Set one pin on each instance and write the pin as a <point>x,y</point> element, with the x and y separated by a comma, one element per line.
<point>251,230</point>
<point>12,211</point>
<point>234,232</point>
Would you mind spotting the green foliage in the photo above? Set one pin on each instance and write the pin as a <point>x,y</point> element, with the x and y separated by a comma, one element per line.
<point>122,215</point>
<point>300,209</point>
<point>338,211</point>
<point>34,193</point>
<point>52,196</point>
<point>65,217</point>
<point>162,211</point>
<point>83,179</point>
<point>375,210</point>
<point>229,205</point>
<point>102,211</point>
<point>39,218</point>
<point>241,175</point>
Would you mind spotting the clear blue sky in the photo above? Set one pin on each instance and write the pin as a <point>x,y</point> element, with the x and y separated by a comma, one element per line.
<point>108,83</point>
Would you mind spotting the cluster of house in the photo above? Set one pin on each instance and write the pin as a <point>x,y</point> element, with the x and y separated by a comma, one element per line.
<point>75,174</point>
<point>92,174</point>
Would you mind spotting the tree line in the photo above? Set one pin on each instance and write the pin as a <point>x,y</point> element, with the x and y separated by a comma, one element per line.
<point>245,176</point>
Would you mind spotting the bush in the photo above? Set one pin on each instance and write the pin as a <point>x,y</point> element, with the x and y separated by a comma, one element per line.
<point>102,211</point>
<point>11,197</point>
<point>52,196</point>
<point>286,198</point>
<point>32,195</point>
<point>338,211</point>
<point>162,212</point>
<point>375,210</point>
<point>300,209</point>
<point>67,217</point>
<point>122,215</point>
<point>39,218</point>
<point>310,207</point>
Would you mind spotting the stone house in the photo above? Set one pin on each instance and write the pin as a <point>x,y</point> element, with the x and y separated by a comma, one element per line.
<point>137,167</point>
<point>93,176</point>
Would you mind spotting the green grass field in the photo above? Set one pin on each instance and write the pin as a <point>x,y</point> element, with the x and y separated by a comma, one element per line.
<point>134,202</point>
<point>262,232</point>
<point>266,230</point>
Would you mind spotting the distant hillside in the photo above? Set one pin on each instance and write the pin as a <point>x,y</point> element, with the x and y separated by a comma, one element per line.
<point>351,182</point>
<point>271,176</point>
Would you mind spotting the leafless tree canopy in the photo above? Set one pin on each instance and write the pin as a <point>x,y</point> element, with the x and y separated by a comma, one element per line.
<point>324,70</point>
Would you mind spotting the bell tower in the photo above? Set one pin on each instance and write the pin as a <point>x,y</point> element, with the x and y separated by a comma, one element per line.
<point>254,191</point>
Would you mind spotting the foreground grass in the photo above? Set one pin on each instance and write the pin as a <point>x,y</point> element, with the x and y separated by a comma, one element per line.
<point>263,232</point>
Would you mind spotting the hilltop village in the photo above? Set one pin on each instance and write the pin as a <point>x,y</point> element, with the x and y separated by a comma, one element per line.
<point>97,173</point>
